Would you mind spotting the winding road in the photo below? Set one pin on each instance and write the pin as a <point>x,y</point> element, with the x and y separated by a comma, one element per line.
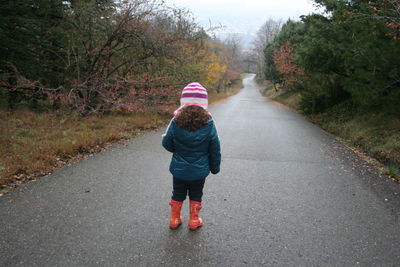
<point>288,195</point>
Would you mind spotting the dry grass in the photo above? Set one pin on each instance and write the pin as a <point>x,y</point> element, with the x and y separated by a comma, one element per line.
<point>215,98</point>
<point>288,98</point>
<point>33,144</point>
<point>376,134</point>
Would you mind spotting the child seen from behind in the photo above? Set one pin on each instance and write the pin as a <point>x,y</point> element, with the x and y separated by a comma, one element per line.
<point>192,138</point>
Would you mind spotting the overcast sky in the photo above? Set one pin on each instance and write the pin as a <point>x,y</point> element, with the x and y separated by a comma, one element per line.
<point>243,16</point>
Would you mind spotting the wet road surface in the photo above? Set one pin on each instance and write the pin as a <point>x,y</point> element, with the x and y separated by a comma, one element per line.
<point>288,195</point>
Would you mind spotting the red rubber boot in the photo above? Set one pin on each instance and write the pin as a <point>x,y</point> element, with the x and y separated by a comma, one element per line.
<point>195,221</point>
<point>176,219</point>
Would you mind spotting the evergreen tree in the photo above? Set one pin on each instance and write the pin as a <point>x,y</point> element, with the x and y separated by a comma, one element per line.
<point>351,53</point>
<point>32,39</point>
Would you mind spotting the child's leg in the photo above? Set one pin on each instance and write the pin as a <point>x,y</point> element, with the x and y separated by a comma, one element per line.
<point>180,189</point>
<point>196,190</point>
<point>195,194</point>
<point>179,192</point>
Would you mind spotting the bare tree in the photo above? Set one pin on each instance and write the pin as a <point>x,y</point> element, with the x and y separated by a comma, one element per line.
<point>265,35</point>
<point>233,44</point>
<point>249,62</point>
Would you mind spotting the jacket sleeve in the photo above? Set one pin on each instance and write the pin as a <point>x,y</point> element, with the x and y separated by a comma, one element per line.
<point>168,140</point>
<point>214,152</point>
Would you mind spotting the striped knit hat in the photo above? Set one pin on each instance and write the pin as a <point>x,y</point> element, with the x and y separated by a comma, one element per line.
<point>194,94</point>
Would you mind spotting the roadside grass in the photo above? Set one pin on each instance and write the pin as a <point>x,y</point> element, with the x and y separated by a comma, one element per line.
<point>393,171</point>
<point>214,98</point>
<point>35,144</point>
<point>289,98</point>
<point>376,134</point>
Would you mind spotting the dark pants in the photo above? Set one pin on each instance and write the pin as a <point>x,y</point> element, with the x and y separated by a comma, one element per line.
<point>183,188</point>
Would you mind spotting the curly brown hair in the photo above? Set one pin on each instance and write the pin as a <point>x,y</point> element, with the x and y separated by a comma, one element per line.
<point>192,118</point>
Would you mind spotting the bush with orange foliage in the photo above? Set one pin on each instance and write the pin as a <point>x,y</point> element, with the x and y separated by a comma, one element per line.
<point>284,62</point>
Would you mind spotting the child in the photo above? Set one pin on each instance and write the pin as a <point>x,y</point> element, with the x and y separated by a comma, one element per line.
<point>192,138</point>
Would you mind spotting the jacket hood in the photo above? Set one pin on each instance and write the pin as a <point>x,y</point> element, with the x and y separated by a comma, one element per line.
<point>193,139</point>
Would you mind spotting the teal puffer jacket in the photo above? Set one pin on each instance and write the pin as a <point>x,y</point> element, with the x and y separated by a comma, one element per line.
<point>195,154</point>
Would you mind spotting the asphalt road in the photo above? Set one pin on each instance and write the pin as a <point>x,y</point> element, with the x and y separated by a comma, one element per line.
<point>288,195</point>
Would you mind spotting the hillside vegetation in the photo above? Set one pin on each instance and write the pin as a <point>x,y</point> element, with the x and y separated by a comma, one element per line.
<point>342,69</point>
<point>78,75</point>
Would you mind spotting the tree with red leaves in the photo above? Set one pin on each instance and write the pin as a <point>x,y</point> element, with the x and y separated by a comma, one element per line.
<point>284,62</point>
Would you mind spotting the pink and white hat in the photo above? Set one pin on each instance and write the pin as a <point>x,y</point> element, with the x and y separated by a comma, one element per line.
<point>194,94</point>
